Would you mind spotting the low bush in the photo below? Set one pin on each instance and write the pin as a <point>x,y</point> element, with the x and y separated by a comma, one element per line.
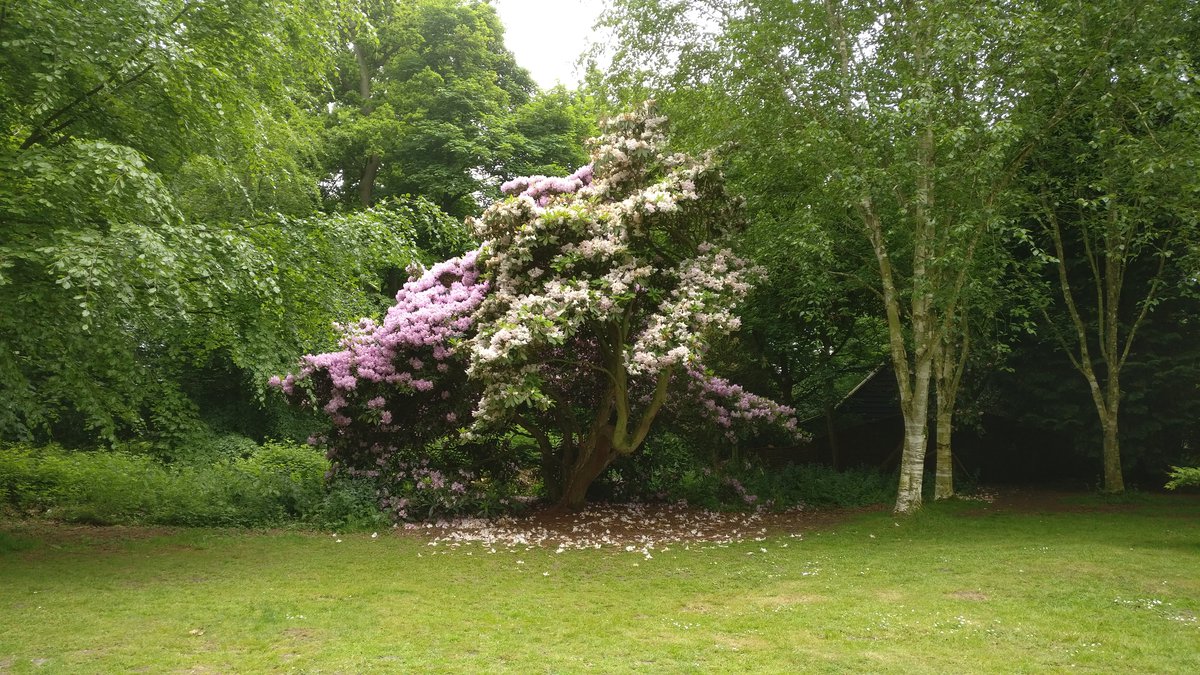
<point>274,484</point>
<point>280,483</point>
<point>448,480</point>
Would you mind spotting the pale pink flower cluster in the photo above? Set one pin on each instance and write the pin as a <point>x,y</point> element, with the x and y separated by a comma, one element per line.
<point>586,268</point>
<point>541,188</point>
<point>701,306</point>
<point>728,404</point>
<point>408,352</point>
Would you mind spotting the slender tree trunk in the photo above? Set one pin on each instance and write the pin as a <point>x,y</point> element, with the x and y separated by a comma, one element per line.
<point>949,362</point>
<point>1114,480</point>
<point>916,442</point>
<point>912,373</point>
<point>943,487</point>
<point>1107,400</point>
<point>366,183</point>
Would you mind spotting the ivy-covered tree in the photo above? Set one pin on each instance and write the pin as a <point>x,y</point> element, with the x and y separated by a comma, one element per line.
<point>591,303</point>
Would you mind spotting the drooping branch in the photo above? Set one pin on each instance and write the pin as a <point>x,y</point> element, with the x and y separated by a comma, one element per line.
<point>109,85</point>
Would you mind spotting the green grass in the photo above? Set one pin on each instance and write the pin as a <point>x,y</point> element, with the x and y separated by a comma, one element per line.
<point>955,588</point>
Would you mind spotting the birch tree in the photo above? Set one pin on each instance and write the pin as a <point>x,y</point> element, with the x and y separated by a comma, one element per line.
<point>897,120</point>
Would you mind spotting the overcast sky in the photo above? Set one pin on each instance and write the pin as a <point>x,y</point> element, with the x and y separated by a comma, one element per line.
<point>547,36</point>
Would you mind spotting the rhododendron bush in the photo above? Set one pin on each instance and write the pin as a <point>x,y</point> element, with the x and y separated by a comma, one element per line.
<point>589,306</point>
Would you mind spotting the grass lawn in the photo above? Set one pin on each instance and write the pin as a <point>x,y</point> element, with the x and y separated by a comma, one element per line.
<point>1077,585</point>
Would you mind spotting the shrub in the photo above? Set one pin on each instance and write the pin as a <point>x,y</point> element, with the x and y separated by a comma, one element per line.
<point>587,311</point>
<point>350,504</point>
<point>1184,476</point>
<point>275,484</point>
<point>450,479</point>
<point>290,476</point>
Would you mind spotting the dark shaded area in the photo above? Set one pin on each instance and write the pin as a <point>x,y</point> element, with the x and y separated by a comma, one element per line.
<point>1037,427</point>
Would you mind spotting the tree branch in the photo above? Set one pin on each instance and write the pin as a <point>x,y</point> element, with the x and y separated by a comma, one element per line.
<point>1084,364</point>
<point>40,134</point>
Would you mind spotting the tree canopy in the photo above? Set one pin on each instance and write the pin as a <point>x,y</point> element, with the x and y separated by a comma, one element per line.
<point>592,301</point>
<point>986,210</point>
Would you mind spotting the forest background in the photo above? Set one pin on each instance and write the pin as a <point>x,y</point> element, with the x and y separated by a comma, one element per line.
<point>991,205</point>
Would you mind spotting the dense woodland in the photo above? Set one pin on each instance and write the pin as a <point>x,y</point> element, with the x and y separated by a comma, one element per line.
<point>959,238</point>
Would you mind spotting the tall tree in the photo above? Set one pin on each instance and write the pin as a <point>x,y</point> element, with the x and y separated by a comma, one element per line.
<point>895,118</point>
<point>133,134</point>
<point>421,102</point>
<point>1115,194</point>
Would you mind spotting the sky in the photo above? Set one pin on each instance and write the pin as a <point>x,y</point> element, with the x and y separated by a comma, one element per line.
<point>547,36</point>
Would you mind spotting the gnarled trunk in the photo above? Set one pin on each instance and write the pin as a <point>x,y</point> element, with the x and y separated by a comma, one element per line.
<point>587,467</point>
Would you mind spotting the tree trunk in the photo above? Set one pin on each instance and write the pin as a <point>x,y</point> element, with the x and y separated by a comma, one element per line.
<point>1114,481</point>
<point>366,185</point>
<point>916,444</point>
<point>586,469</point>
<point>943,487</point>
<point>949,362</point>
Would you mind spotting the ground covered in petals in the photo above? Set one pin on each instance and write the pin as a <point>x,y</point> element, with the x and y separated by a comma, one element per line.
<point>635,528</point>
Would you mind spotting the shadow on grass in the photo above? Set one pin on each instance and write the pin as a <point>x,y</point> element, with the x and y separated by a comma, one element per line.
<point>14,543</point>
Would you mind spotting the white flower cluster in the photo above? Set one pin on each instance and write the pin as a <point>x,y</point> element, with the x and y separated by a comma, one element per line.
<point>700,307</point>
<point>580,284</point>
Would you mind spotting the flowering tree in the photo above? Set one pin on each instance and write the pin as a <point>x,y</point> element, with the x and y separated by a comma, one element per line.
<point>398,384</point>
<point>607,291</point>
<point>591,302</point>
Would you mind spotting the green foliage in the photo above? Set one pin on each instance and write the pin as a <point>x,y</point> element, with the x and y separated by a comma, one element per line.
<point>1186,476</point>
<point>275,484</point>
<point>104,328</point>
<point>547,134</point>
<point>174,82</point>
<point>670,469</point>
<point>427,100</point>
<point>122,122</point>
